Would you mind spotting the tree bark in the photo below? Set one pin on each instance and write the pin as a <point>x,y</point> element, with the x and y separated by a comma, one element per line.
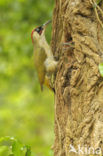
<point>78,84</point>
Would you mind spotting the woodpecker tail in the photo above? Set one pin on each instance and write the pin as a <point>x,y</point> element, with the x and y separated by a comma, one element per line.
<point>48,84</point>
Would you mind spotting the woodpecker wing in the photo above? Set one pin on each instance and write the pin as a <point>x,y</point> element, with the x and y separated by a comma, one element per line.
<point>39,59</point>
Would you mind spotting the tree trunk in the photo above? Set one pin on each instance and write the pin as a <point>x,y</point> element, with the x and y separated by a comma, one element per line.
<point>78,84</point>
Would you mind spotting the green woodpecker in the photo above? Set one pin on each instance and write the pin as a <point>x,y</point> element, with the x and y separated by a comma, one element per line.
<point>43,57</point>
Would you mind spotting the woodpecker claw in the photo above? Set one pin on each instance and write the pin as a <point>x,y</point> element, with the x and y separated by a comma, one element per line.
<point>68,45</point>
<point>71,44</point>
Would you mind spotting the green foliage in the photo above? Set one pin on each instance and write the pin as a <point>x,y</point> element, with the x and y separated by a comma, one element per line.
<point>98,1</point>
<point>101,69</point>
<point>10,146</point>
<point>25,111</point>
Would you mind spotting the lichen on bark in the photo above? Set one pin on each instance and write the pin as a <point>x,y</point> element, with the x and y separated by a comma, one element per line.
<point>79,86</point>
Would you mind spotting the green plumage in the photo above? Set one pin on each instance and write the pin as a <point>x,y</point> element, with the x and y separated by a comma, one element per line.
<point>39,59</point>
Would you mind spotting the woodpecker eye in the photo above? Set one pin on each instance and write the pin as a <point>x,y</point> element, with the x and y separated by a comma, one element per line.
<point>39,30</point>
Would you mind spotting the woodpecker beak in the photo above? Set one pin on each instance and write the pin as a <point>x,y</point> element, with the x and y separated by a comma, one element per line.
<point>40,30</point>
<point>45,24</point>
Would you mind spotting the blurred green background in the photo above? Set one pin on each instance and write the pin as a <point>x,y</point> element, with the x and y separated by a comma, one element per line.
<point>25,112</point>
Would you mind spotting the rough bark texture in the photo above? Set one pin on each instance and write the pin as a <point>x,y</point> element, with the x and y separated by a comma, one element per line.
<point>79,86</point>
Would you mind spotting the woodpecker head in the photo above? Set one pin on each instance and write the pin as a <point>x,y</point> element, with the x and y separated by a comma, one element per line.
<point>38,32</point>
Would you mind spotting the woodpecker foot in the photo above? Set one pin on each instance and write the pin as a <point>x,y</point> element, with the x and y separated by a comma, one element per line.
<point>68,45</point>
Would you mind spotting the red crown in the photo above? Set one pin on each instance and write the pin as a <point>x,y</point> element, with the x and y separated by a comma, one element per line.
<point>32,36</point>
